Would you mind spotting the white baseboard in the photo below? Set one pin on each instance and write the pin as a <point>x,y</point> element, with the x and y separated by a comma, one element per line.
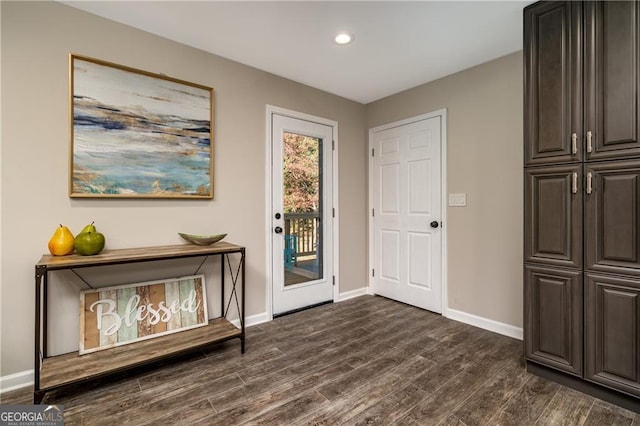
<point>351,294</point>
<point>485,323</point>
<point>252,320</point>
<point>16,381</point>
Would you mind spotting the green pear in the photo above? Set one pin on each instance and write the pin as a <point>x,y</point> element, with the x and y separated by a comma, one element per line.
<point>88,228</point>
<point>89,241</point>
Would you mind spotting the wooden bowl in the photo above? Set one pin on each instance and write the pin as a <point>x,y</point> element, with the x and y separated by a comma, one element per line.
<point>202,240</point>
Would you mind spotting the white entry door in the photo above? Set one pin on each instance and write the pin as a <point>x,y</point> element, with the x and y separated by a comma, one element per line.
<point>302,213</point>
<point>406,216</point>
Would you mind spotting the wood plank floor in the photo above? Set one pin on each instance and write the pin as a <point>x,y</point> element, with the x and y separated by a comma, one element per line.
<point>368,360</point>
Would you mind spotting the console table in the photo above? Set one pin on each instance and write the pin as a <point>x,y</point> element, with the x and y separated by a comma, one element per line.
<point>52,372</point>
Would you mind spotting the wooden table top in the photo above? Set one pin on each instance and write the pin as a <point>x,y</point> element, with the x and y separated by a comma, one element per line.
<point>139,254</point>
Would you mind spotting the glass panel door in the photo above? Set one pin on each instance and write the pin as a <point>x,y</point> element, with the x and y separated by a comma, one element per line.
<point>302,222</point>
<point>302,193</point>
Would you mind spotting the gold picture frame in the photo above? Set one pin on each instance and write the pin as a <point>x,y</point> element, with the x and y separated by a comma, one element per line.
<point>136,134</point>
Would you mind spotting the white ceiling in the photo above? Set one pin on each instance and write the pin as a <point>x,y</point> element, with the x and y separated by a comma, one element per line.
<point>398,45</point>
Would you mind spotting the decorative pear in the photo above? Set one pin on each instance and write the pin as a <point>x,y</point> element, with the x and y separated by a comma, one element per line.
<point>89,241</point>
<point>61,243</point>
<point>89,228</point>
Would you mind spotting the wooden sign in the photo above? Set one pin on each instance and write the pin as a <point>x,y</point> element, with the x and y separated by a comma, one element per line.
<point>115,316</point>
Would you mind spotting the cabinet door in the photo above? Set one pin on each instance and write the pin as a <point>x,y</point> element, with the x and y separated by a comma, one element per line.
<point>553,215</point>
<point>612,214</point>
<point>553,82</point>
<point>612,75</point>
<point>612,313</point>
<point>553,317</point>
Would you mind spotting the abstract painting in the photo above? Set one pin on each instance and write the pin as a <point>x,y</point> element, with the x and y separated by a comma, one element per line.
<point>136,134</point>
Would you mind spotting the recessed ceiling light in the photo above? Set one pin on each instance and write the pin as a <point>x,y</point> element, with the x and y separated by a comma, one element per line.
<point>343,38</point>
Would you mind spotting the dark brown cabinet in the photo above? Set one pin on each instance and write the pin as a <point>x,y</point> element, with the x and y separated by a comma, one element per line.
<point>553,308</point>
<point>612,217</point>
<point>612,340</point>
<point>582,191</point>
<point>553,82</point>
<point>581,60</point>
<point>553,215</point>
<point>611,78</point>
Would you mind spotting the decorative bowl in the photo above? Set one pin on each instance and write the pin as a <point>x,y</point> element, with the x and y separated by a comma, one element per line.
<point>202,240</point>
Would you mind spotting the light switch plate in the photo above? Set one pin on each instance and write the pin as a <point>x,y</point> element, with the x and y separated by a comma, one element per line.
<point>458,200</point>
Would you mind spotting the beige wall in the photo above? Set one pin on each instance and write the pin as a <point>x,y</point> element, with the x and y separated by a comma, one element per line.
<point>484,112</point>
<point>484,160</point>
<point>36,40</point>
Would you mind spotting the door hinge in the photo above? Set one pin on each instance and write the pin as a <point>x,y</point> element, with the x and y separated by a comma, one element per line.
<point>373,150</point>
<point>333,145</point>
<point>373,272</point>
<point>334,280</point>
<point>373,212</point>
<point>333,212</point>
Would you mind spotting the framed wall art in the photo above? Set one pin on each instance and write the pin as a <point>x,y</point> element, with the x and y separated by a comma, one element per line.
<point>135,134</point>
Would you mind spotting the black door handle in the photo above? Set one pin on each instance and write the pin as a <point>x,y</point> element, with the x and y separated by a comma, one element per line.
<point>434,224</point>
<point>278,230</point>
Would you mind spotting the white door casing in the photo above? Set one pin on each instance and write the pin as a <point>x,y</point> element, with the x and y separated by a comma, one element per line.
<point>406,253</point>
<point>292,297</point>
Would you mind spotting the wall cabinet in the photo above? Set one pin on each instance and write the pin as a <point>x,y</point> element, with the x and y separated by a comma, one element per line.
<point>553,217</point>
<point>612,341</point>
<point>611,78</point>
<point>612,217</point>
<point>581,66</point>
<point>553,82</point>
<point>582,191</point>
<point>554,312</point>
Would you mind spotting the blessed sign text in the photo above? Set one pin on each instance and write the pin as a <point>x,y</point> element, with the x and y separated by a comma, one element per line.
<point>114,316</point>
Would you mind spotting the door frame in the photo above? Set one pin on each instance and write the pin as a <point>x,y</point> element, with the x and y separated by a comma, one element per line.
<point>270,111</point>
<point>442,113</point>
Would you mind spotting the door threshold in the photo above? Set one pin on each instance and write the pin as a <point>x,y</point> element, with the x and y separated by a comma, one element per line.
<point>293,311</point>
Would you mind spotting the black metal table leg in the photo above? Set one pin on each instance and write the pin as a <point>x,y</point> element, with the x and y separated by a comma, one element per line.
<point>41,273</point>
<point>242,316</point>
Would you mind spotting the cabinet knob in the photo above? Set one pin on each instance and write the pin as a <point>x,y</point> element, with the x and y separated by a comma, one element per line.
<point>278,230</point>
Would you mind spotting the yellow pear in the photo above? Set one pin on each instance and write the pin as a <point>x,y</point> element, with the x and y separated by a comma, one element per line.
<point>61,243</point>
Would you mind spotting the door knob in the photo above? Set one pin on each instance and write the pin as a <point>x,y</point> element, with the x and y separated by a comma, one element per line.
<point>278,230</point>
<point>278,215</point>
<point>434,224</point>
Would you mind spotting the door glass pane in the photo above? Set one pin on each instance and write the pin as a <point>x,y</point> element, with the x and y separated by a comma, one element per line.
<point>302,196</point>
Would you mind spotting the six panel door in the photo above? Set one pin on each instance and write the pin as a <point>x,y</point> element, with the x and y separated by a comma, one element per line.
<point>612,75</point>
<point>553,215</point>
<point>553,89</point>
<point>553,317</point>
<point>612,339</point>
<point>407,197</point>
<point>612,214</point>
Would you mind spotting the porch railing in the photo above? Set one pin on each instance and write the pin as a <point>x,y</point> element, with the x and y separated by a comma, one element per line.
<point>307,227</point>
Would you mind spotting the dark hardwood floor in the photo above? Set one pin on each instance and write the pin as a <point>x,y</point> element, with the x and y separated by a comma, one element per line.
<point>368,360</point>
